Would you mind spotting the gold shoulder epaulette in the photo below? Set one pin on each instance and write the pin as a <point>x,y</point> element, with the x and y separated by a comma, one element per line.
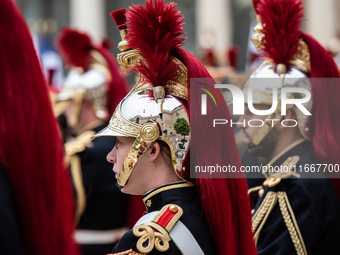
<point>79,143</point>
<point>290,162</point>
<point>155,234</point>
<point>285,171</point>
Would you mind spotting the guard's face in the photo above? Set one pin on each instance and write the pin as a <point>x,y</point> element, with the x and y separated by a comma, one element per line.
<point>72,114</point>
<point>118,154</point>
<point>250,123</point>
<point>69,109</point>
<point>135,185</point>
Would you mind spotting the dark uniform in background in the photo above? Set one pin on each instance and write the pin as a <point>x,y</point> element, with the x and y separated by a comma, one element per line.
<point>10,236</point>
<point>91,91</point>
<point>105,209</point>
<point>309,206</point>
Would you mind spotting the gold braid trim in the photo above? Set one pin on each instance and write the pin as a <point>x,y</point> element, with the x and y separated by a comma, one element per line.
<point>262,214</point>
<point>78,145</point>
<point>291,223</point>
<point>76,173</point>
<point>128,252</point>
<point>254,189</point>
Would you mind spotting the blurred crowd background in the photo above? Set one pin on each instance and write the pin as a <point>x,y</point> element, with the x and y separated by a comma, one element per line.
<point>218,31</point>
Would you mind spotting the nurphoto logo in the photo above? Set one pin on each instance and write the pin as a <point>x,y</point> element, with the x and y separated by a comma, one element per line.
<point>238,100</point>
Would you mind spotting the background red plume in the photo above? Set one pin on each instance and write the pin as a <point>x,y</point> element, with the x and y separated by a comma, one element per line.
<point>281,23</point>
<point>324,123</point>
<point>31,148</point>
<point>232,56</point>
<point>74,47</point>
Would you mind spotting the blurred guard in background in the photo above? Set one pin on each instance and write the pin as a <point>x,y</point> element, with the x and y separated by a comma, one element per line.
<point>91,91</point>
<point>35,194</point>
<point>298,211</point>
<point>151,157</point>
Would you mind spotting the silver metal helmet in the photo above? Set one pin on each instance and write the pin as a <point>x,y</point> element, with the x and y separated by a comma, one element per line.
<point>264,81</point>
<point>80,85</point>
<point>149,116</point>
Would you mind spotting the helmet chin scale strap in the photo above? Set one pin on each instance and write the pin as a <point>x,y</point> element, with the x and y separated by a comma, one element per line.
<point>264,130</point>
<point>148,134</point>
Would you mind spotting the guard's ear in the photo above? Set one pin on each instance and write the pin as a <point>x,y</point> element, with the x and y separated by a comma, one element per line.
<point>154,151</point>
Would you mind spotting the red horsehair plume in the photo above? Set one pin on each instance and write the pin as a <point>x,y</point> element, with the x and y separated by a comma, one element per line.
<point>255,3</point>
<point>281,23</point>
<point>120,19</point>
<point>155,31</point>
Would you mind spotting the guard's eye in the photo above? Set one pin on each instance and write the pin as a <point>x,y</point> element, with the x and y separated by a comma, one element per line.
<point>116,141</point>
